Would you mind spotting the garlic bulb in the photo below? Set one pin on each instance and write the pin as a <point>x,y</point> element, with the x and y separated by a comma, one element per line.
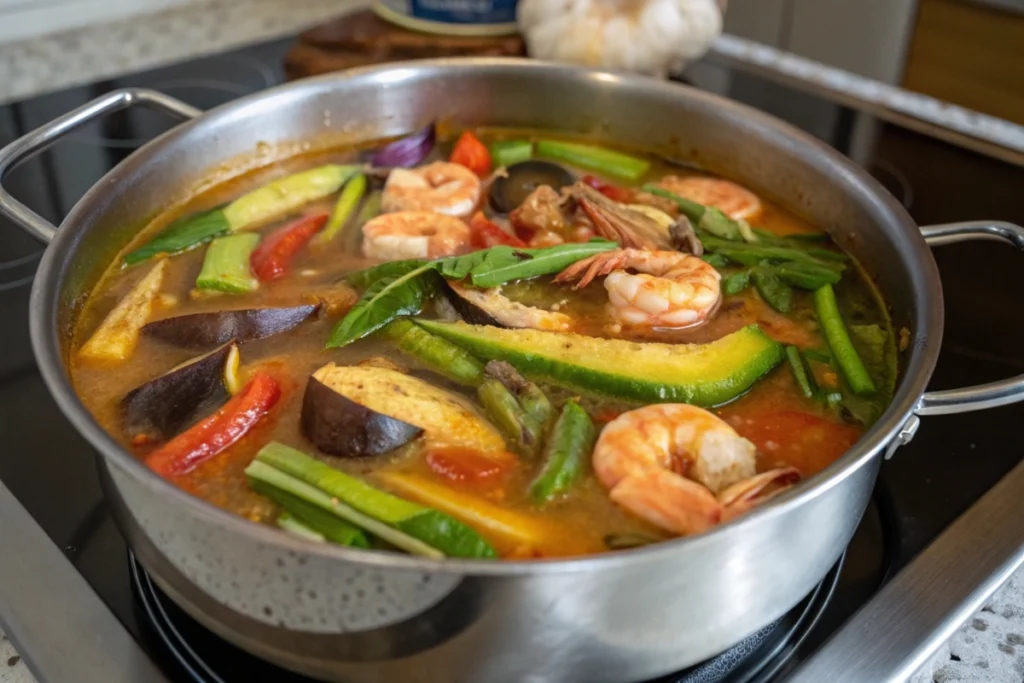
<point>645,36</point>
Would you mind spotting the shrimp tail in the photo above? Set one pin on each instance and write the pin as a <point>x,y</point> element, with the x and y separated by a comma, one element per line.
<point>747,494</point>
<point>668,501</point>
<point>592,267</point>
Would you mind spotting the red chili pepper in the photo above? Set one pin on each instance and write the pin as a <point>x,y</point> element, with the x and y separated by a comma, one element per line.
<point>209,437</point>
<point>271,259</point>
<point>472,154</point>
<point>484,233</point>
<point>613,192</point>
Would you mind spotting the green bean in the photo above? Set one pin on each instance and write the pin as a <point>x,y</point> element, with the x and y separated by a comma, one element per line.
<point>820,356</point>
<point>716,260</point>
<point>439,354</point>
<point>511,419</point>
<point>745,253</point>
<point>346,205</point>
<point>776,293</point>
<point>802,375</point>
<point>296,528</point>
<point>567,449</point>
<point>596,158</point>
<point>843,351</point>
<point>735,283</point>
<point>806,276</point>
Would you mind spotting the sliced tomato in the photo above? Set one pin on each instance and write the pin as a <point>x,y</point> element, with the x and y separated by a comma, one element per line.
<point>790,437</point>
<point>213,435</point>
<point>472,154</point>
<point>613,192</point>
<point>271,259</point>
<point>465,465</point>
<point>484,233</point>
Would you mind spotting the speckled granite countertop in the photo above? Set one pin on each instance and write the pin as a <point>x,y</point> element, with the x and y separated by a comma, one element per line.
<point>199,28</point>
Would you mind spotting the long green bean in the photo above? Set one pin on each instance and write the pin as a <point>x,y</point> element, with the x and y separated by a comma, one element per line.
<point>846,356</point>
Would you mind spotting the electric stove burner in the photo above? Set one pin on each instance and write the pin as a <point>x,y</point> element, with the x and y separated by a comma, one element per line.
<point>206,658</point>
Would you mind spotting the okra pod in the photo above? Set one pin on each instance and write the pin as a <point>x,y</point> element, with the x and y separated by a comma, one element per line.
<point>226,264</point>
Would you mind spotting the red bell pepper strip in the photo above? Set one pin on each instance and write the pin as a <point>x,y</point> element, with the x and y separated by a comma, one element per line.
<point>472,154</point>
<point>271,259</point>
<point>209,437</point>
<point>483,234</point>
<point>613,192</point>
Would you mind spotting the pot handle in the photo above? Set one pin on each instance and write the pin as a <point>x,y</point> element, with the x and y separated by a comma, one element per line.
<point>983,395</point>
<point>39,139</point>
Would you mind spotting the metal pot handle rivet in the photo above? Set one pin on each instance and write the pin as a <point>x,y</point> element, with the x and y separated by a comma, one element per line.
<point>39,139</point>
<point>981,396</point>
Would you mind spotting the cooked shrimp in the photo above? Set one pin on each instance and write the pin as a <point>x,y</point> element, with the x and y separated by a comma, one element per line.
<point>414,234</point>
<point>681,468</point>
<point>735,201</point>
<point>669,289</point>
<point>440,187</point>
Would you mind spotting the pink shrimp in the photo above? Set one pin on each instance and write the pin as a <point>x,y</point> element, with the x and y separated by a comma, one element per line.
<point>681,468</point>
<point>669,288</point>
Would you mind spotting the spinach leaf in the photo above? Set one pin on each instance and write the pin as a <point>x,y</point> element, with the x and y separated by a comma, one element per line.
<point>386,299</point>
<point>505,264</point>
<point>400,288</point>
<point>364,278</point>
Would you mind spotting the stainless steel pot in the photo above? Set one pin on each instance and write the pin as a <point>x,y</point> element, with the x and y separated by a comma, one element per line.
<point>349,615</point>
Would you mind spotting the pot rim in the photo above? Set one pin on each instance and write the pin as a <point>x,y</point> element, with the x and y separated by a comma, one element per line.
<point>926,335</point>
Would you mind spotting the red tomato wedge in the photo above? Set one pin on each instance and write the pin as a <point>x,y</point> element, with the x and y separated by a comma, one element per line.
<point>209,437</point>
<point>271,259</point>
<point>464,465</point>
<point>472,154</point>
<point>484,233</point>
<point>805,441</point>
<point>613,192</point>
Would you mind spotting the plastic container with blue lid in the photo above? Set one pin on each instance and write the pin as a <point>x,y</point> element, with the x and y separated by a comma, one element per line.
<point>451,17</point>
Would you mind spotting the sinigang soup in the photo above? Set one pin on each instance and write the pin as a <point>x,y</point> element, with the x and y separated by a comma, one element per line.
<point>503,344</point>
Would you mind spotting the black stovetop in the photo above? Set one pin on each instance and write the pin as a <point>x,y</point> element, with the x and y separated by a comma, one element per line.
<point>951,462</point>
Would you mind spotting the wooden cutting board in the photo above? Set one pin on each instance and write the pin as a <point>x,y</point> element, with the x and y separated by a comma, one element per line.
<point>363,38</point>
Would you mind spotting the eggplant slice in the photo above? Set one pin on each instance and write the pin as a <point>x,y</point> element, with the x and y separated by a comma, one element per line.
<point>160,408</point>
<point>491,307</point>
<point>359,426</point>
<point>203,330</point>
<point>340,426</point>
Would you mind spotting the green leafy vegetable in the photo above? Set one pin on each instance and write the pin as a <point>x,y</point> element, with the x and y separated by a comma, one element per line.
<point>735,283</point>
<point>400,288</point>
<point>384,300</point>
<point>716,260</point>
<point>181,235</point>
<point>776,293</point>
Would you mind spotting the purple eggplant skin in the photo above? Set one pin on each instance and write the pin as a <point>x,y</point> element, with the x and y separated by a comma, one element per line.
<point>337,425</point>
<point>203,330</point>
<point>160,408</point>
<point>470,312</point>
